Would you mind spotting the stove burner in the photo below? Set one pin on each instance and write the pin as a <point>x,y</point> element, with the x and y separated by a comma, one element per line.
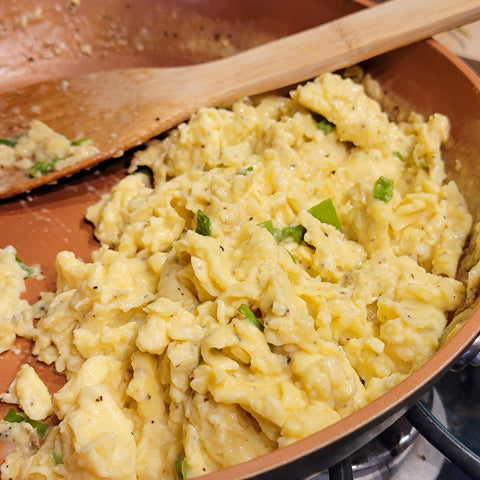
<point>399,453</point>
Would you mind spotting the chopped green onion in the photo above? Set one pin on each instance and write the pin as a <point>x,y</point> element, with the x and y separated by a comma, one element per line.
<point>81,141</point>
<point>398,155</point>
<point>29,271</point>
<point>41,167</point>
<point>10,142</point>
<point>250,316</point>
<point>463,31</point>
<point>143,169</point>
<point>292,256</point>
<point>203,224</point>
<point>297,232</point>
<point>325,212</point>
<point>181,467</point>
<point>276,232</point>
<point>57,458</point>
<point>247,170</point>
<point>13,417</point>
<point>325,126</point>
<point>383,189</point>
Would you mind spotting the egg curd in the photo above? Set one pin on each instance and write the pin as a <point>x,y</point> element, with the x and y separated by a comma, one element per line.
<point>42,150</point>
<point>287,261</point>
<point>15,313</point>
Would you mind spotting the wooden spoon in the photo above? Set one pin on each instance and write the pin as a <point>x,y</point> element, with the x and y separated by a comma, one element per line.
<point>121,109</point>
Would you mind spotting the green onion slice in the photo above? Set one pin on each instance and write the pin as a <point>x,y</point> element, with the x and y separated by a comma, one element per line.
<point>10,142</point>
<point>276,232</point>
<point>147,171</point>
<point>246,170</point>
<point>13,417</point>
<point>203,224</point>
<point>297,232</point>
<point>250,316</point>
<point>398,155</point>
<point>325,212</point>
<point>57,458</point>
<point>28,270</point>
<point>292,256</point>
<point>81,141</point>
<point>463,31</point>
<point>181,467</point>
<point>41,167</point>
<point>383,189</point>
<point>325,126</point>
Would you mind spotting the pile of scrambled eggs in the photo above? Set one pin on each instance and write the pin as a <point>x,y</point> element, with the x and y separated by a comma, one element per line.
<point>42,150</point>
<point>264,271</point>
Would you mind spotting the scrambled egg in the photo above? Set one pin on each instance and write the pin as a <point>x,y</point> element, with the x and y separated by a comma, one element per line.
<point>15,314</point>
<point>42,150</point>
<point>289,260</point>
<point>30,393</point>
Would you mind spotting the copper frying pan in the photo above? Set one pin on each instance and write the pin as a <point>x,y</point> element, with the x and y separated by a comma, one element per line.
<point>55,41</point>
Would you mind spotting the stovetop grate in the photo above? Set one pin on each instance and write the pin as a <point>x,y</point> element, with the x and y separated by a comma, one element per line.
<point>427,424</point>
<point>450,446</point>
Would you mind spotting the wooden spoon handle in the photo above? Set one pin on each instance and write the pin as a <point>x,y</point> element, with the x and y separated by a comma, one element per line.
<point>339,44</point>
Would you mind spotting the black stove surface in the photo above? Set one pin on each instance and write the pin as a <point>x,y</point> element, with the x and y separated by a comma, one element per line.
<point>460,394</point>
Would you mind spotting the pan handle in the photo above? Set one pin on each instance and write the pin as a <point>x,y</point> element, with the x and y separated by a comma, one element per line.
<point>341,471</point>
<point>470,356</point>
